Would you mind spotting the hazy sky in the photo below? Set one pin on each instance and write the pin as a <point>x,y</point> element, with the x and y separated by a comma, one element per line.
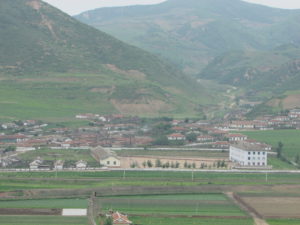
<point>74,7</point>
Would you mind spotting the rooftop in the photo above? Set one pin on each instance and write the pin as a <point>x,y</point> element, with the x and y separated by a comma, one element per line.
<point>248,146</point>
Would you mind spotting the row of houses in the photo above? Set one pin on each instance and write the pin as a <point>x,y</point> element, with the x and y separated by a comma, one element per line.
<point>38,163</point>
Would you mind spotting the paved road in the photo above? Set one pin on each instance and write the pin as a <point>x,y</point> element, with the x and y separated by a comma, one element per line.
<point>160,170</point>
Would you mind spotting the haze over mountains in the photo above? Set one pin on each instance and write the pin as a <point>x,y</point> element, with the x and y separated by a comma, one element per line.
<point>55,66</point>
<point>232,42</point>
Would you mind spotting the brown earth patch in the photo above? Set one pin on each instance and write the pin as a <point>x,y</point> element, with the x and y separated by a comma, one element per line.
<point>141,106</point>
<point>103,90</point>
<point>135,74</point>
<point>276,207</point>
<point>292,101</point>
<point>34,4</point>
<point>46,212</point>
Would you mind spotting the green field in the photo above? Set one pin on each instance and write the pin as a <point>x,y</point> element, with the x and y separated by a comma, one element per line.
<point>45,203</point>
<point>284,221</point>
<point>278,164</point>
<point>289,138</point>
<point>42,220</point>
<point>188,221</point>
<point>82,180</point>
<point>197,204</point>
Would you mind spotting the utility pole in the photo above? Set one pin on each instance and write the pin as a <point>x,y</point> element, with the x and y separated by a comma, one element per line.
<point>192,175</point>
<point>55,158</point>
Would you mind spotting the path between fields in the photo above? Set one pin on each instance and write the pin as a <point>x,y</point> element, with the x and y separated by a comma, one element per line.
<point>258,219</point>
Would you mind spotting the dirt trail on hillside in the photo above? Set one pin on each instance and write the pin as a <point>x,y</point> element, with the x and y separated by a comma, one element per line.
<point>258,219</point>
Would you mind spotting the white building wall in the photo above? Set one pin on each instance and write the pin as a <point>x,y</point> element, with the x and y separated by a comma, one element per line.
<point>111,162</point>
<point>248,158</point>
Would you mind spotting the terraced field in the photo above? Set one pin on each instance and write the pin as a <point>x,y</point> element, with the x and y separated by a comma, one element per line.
<point>179,205</point>
<point>42,220</point>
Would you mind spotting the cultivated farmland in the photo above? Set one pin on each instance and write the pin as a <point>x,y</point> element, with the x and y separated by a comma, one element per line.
<point>180,205</point>
<point>42,220</point>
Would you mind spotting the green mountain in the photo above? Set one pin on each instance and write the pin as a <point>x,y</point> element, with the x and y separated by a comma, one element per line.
<point>53,67</point>
<point>191,33</point>
<point>273,71</point>
<point>270,77</point>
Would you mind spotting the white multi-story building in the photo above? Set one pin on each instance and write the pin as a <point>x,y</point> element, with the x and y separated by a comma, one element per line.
<point>248,154</point>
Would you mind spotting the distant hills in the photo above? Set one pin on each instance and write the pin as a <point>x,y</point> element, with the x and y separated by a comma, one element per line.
<point>191,33</point>
<point>273,71</point>
<point>53,66</point>
<point>251,47</point>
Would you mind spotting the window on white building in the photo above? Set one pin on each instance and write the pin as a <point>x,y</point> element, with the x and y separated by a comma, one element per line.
<point>253,153</point>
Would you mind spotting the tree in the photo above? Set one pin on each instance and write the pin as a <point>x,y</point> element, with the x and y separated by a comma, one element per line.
<point>167,164</point>
<point>144,164</point>
<point>163,140</point>
<point>10,149</point>
<point>297,158</point>
<point>149,163</point>
<point>157,163</point>
<point>192,137</point>
<point>279,149</point>
<point>185,164</point>
<point>108,221</point>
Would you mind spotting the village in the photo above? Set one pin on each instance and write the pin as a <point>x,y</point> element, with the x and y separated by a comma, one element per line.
<point>104,139</point>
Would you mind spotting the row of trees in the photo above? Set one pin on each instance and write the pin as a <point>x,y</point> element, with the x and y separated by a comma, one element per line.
<point>159,164</point>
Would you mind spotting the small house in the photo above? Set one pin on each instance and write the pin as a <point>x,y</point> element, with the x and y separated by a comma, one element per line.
<point>81,164</point>
<point>36,163</point>
<point>59,165</point>
<point>119,218</point>
<point>236,137</point>
<point>106,157</point>
<point>176,137</point>
<point>205,138</point>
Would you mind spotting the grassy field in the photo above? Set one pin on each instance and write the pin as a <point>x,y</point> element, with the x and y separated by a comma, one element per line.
<point>59,97</point>
<point>198,204</point>
<point>81,180</point>
<point>45,203</point>
<point>289,138</point>
<point>188,221</point>
<point>283,222</point>
<point>184,153</point>
<point>279,164</point>
<point>42,220</point>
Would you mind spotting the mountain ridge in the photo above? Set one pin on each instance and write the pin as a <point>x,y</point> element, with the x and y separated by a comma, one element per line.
<point>192,33</point>
<point>55,67</point>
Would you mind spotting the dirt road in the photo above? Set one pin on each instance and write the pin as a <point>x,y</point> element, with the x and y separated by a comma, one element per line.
<point>258,219</point>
